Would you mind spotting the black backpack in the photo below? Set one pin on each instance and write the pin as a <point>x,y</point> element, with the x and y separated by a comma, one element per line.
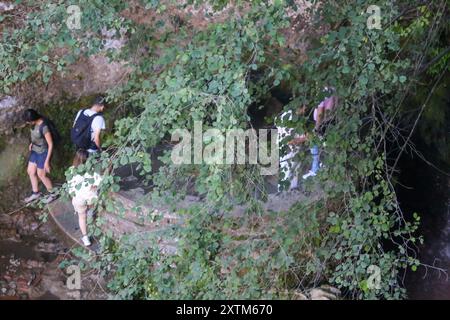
<point>81,131</point>
<point>56,137</point>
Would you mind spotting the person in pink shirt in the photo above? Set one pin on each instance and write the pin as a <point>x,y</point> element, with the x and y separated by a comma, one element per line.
<point>322,116</point>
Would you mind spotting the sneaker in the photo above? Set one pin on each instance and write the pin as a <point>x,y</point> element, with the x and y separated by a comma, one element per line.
<point>34,196</point>
<point>309,174</point>
<point>91,213</point>
<point>86,241</point>
<point>50,198</point>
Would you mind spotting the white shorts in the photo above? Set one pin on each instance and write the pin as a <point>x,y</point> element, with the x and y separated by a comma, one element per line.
<point>79,204</point>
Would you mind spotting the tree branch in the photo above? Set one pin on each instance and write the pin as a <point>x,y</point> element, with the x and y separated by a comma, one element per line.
<point>434,60</point>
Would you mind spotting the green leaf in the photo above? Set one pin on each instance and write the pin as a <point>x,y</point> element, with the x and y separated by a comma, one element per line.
<point>41,47</point>
<point>346,69</point>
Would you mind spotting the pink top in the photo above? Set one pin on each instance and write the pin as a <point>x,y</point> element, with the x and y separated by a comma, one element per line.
<point>328,104</point>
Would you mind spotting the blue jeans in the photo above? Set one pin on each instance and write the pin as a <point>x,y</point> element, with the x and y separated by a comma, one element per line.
<point>315,156</point>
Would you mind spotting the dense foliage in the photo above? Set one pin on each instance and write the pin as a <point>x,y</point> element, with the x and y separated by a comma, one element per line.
<point>214,74</point>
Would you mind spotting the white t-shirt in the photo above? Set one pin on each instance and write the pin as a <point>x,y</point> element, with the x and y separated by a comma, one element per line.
<point>80,186</point>
<point>284,132</point>
<point>97,124</point>
<point>279,121</point>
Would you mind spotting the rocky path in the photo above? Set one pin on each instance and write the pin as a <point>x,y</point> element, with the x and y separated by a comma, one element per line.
<point>30,255</point>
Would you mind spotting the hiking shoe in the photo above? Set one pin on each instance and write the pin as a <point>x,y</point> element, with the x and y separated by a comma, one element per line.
<point>309,174</point>
<point>86,241</point>
<point>34,196</point>
<point>91,213</point>
<point>50,198</point>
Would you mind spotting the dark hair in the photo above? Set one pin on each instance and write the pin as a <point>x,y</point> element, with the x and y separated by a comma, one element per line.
<point>31,115</point>
<point>80,157</point>
<point>99,100</point>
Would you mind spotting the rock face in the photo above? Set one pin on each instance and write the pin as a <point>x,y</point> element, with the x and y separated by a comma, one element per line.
<point>95,74</point>
<point>10,112</point>
<point>88,77</point>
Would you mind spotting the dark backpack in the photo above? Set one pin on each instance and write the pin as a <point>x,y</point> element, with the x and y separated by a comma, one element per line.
<point>81,131</point>
<point>56,137</point>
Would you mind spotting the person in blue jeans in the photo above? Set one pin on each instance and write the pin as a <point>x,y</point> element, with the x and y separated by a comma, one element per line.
<point>321,118</point>
<point>41,149</point>
<point>316,162</point>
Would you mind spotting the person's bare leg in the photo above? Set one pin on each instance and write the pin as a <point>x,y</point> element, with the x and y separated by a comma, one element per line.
<point>31,170</point>
<point>45,180</point>
<point>82,222</point>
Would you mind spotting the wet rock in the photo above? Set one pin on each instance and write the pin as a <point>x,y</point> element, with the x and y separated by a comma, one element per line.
<point>23,296</point>
<point>23,222</point>
<point>48,247</point>
<point>297,295</point>
<point>10,108</point>
<point>14,262</point>
<point>7,277</point>
<point>110,39</point>
<point>47,230</point>
<point>22,285</point>
<point>9,234</point>
<point>34,264</point>
<point>325,292</point>
<point>74,295</point>
<point>6,220</point>
<point>34,226</point>
<point>11,292</point>
<point>4,6</point>
<point>7,228</point>
<point>53,281</point>
<point>130,179</point>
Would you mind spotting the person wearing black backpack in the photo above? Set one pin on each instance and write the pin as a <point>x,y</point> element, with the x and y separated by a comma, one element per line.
<point>87,127</point>
<point>43,137</point>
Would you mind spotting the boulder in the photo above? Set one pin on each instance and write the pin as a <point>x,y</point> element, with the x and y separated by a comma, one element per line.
<point>325,292</point>
<point>5,6</point>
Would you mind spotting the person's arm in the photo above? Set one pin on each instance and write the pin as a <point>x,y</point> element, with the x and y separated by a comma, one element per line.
<point>98,124</point>
<point>319,117</point>
<point>298,140</point>
<point>97,139</point>
<point>49,139</point>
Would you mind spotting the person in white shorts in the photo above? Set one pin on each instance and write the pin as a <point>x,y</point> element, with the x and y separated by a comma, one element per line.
<point>83,190</point>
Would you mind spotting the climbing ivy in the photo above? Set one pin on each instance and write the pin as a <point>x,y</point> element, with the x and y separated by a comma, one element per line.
<point>215,78</point>
<point>337,235</point>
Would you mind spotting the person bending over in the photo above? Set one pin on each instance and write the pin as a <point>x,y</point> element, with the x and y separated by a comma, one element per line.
<point>84,191</point>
